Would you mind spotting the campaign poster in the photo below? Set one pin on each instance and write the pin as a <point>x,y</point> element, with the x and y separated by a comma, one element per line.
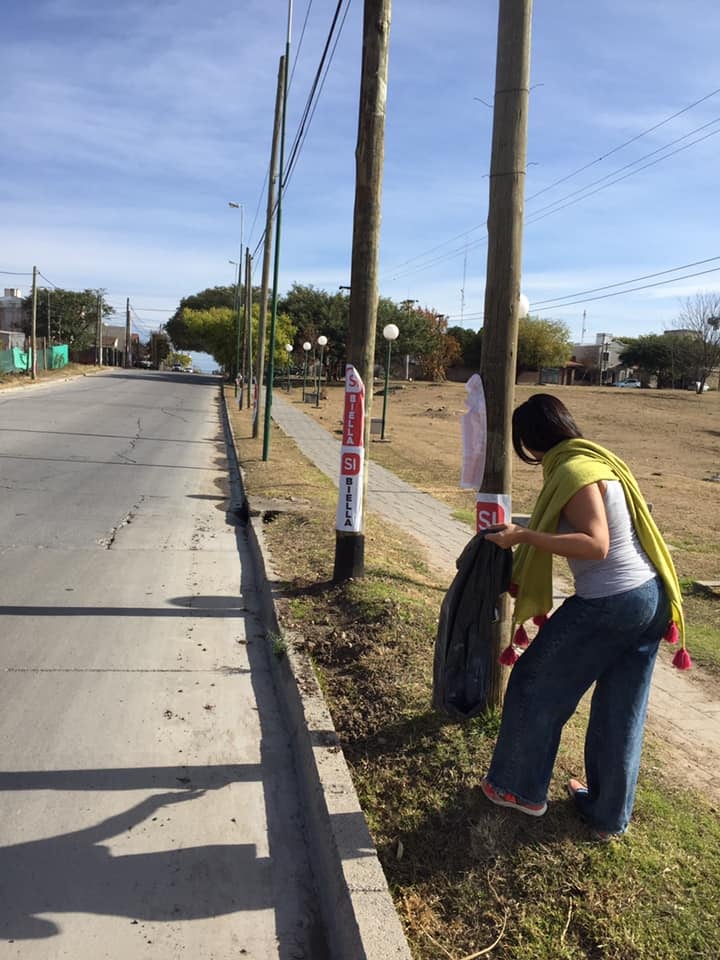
<point>352,456</point>
<point>492,509</point>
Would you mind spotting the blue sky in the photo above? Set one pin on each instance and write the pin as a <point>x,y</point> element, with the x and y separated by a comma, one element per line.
<point>128,126</point>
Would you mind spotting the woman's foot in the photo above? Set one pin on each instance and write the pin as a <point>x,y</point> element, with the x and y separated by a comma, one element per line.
<point>574,787</point>
<point>504,799</point>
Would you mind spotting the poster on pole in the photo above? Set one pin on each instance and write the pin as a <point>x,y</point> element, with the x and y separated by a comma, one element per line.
<point>352,456</point>
<point>492,509</point>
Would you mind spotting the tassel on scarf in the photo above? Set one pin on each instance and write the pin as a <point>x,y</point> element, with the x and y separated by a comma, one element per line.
<point>682,660</point>
<point>672,634</point>
<point>521,639</point>
<point>509,656</point>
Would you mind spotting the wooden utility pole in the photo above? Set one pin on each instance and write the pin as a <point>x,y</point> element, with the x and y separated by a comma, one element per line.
<point>247,348</point>
<point>369,161</point>
<point>267,247</point>
<point>128,352</point>
<point>276,261</point>
<point>504,265</point>
<point>33,328</point>
<point>98,333</point>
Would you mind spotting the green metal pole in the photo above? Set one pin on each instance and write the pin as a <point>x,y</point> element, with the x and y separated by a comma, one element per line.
<point>387,388</point>
<point>319,380</point>
<point>276,266</point>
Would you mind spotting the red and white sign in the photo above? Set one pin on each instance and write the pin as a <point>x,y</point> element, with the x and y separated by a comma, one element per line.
<point>492,509</point>
<point>352,457</point>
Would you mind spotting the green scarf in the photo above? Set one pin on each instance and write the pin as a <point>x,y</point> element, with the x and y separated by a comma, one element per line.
<point>567,468</point>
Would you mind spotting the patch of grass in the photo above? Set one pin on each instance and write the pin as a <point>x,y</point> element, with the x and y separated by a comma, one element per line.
<point>465,516</point>
<point>471,873</point>
<point>702,617</point>
<point>278,644</point>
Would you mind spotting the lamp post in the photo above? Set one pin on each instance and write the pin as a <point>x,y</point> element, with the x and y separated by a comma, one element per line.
<point>241,208</point>
<point>289,350</point>
<point>307,347</point>
<point>390,332</point>
<point>322,343</point>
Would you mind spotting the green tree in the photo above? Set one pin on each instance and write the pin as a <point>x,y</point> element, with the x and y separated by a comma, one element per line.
<point>207,300</point>
<point>470,342</point>
<point>214,331</point>
<point>315,312</point>
<point>66,316</point>
<point>672,358</point>
<point>542,343</point>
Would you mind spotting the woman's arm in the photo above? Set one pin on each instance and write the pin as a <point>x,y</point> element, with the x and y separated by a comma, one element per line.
<point>585,512</point>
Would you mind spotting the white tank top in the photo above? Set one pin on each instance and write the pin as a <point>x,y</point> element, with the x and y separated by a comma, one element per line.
<point>625,567</point>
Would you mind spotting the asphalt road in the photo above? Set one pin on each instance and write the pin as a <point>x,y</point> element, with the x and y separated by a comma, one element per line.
<point>147,795</point>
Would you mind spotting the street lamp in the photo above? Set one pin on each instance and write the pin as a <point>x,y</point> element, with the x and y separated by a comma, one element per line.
<point>307,347</point>
<point>322,343</point>
<point>289,350</point>
<point>390,332</point>
<point>241,208</point>
<point>523,306</point>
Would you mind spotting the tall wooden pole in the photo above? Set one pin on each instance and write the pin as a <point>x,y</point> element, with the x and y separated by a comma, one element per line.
<point>276,260</point>
<point>128,351</point>
<point>369,162</point>
<point>33,328</point>
<point>267,247</point>
<point>504,265</point>
<point>248,364</point>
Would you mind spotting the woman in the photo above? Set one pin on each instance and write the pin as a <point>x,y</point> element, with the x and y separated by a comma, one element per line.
<point>626,598</point>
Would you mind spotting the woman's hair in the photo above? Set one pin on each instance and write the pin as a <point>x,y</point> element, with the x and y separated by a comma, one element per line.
<point>539,424</point>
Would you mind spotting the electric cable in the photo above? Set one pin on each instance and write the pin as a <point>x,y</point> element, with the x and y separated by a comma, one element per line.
<point>398,273</point>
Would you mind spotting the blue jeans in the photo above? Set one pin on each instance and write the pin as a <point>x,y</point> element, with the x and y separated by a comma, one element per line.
<point>612,642</point>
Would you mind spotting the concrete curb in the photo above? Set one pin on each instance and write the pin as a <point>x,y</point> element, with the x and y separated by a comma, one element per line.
<point>358,913</point>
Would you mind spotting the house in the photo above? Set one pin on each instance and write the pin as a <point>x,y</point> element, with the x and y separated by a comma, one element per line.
<point>11,313</point>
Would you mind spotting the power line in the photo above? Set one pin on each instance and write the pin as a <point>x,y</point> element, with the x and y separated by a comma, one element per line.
<point>400,274</point>
<point>580,297</point>
<point>310,104</point>
<point>583,193</point>
<point>622,146</point>
<point>316,80</point>
<point>610,286</point>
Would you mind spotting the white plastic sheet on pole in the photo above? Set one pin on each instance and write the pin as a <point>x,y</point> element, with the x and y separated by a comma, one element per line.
<point>474,435</point>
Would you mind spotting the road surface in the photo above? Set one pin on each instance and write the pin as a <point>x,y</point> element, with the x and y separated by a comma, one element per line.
<point>147,794</point>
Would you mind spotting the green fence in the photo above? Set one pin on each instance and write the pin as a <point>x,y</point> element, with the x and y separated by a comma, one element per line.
<point>19,361</point>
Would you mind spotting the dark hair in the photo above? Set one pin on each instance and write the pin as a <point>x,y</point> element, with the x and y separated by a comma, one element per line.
<point>539,424</point>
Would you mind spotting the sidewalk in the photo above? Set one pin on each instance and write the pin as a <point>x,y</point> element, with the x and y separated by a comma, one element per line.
<point>684,708</point>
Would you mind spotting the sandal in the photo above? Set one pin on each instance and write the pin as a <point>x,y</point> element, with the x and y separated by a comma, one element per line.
<point>574,787</point>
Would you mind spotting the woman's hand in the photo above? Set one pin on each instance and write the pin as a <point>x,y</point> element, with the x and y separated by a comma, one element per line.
<point>505,535</point>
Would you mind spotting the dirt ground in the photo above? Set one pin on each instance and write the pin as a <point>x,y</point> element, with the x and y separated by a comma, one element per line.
<point>669,438</point>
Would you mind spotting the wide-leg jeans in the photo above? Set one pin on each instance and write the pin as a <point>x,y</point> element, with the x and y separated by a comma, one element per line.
<point>612,642</point>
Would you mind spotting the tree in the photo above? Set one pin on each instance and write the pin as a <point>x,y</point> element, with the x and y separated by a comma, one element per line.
<point>542,343</point>
<point>670,357</point>
<point>700,320</point>
<point>313,312</point>
<point>470,342</point>
<point>213,331</point>
<point>436,349</point>
<point>66,316</point>
<point>182,335</point>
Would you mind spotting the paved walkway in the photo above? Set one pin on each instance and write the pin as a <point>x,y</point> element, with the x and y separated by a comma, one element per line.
<point>684,707</point>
